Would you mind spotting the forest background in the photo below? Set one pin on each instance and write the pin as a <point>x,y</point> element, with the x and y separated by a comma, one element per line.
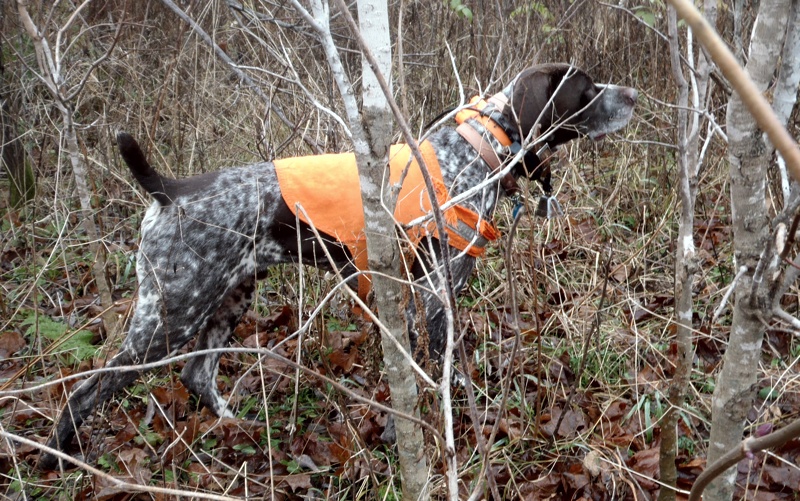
<point>577,413</point>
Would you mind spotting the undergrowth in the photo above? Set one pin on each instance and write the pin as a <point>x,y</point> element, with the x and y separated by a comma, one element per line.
<point>595,287</point>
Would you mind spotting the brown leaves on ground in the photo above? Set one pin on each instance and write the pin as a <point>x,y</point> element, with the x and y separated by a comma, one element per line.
<point>295,441</point>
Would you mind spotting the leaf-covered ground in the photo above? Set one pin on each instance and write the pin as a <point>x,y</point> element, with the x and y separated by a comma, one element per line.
<point>593,359</point>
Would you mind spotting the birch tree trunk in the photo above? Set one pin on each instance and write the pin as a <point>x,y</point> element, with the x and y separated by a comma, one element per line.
<point>382,248</point>
<point>371,133</point>
<point>749,156</point>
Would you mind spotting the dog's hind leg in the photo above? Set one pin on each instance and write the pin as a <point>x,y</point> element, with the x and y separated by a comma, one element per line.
<point>98,388</point>
<point>429,280</point>
<point>158,328</point>
<point>200,372</point>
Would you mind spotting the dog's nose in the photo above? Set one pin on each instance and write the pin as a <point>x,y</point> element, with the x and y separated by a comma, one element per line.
<point>631,94</point>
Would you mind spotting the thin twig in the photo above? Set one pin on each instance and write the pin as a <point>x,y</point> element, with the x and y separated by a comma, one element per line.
<point>512,299</point>
<point>128,486</point>
<point>315,147</point>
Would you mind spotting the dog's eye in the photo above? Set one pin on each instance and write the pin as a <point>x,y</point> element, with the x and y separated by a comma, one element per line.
<point>588,95</point>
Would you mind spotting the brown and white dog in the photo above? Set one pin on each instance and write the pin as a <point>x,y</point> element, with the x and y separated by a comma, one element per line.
<point>207,239</point>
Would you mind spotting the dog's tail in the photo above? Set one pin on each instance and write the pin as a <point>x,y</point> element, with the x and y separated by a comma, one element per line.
<point>150,180</point>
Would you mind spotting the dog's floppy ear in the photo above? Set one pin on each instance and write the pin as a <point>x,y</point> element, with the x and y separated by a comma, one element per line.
<point>532,91</point>
<point>533,98</point>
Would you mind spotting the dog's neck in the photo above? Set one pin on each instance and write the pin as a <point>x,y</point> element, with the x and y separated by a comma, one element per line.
<point>485,127</point>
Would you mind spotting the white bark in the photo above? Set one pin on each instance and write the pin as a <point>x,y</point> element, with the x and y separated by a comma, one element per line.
<point>371,140</point>
<point>383,250</point>
<point>763,278</point>
<point>785,95</point>
<point>749,156</point>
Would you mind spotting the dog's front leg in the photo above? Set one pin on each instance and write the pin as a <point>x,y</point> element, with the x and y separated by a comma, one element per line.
<point>432,294</point>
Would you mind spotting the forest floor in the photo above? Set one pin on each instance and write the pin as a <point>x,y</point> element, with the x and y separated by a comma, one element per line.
<point>593,357</point>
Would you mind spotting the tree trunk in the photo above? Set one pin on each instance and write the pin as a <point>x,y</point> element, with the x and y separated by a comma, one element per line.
<point>685,257</point>
<point>371,133</point>
<point>22,182</point>
<point>22,185</point>
<point>383,250</point>
<point>749,156</point>
<point>785,95</point>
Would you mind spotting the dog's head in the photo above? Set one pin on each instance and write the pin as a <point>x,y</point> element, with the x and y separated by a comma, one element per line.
<point>567,104</point>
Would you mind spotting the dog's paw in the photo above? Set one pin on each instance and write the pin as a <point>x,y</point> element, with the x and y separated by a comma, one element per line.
<point>49,462</point>
<point>549,207</point>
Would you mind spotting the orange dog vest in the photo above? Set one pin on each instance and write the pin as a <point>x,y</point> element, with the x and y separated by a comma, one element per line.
<point>323,185</point>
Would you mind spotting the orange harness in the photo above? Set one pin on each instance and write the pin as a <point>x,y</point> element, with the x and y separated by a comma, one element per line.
<point>477,104</point>
<point>323,185</point>
<point>481,143</point>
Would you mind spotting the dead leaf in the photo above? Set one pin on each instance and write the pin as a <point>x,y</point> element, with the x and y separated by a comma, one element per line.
<point>646,463</point>
<point>575,478</point>
<point>541,488</point>
<point>584,229</point>
<point>573,423</point>
<point>512,429</point>
<point>10,343</point>
<point>782,477</point>
<point>593,464</point>
<point>296,482</point>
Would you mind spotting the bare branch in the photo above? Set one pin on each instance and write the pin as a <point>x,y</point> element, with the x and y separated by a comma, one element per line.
<point>63,30</point>
<point>241,74</point>
<point>97,62</point>
<point>746,449</point>
<point>752,98</point>
<point>48,74</point>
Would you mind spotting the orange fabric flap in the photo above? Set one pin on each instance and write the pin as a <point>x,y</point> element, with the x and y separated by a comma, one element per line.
<point>324,186</point>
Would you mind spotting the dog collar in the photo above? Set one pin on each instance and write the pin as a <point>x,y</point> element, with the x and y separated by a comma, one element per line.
<point>485,149</point>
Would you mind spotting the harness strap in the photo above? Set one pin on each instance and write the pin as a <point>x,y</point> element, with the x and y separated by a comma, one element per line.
<point>480,143</point>
<point>475,111</point>
<point>499,100</point>
<point>464,225</point>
